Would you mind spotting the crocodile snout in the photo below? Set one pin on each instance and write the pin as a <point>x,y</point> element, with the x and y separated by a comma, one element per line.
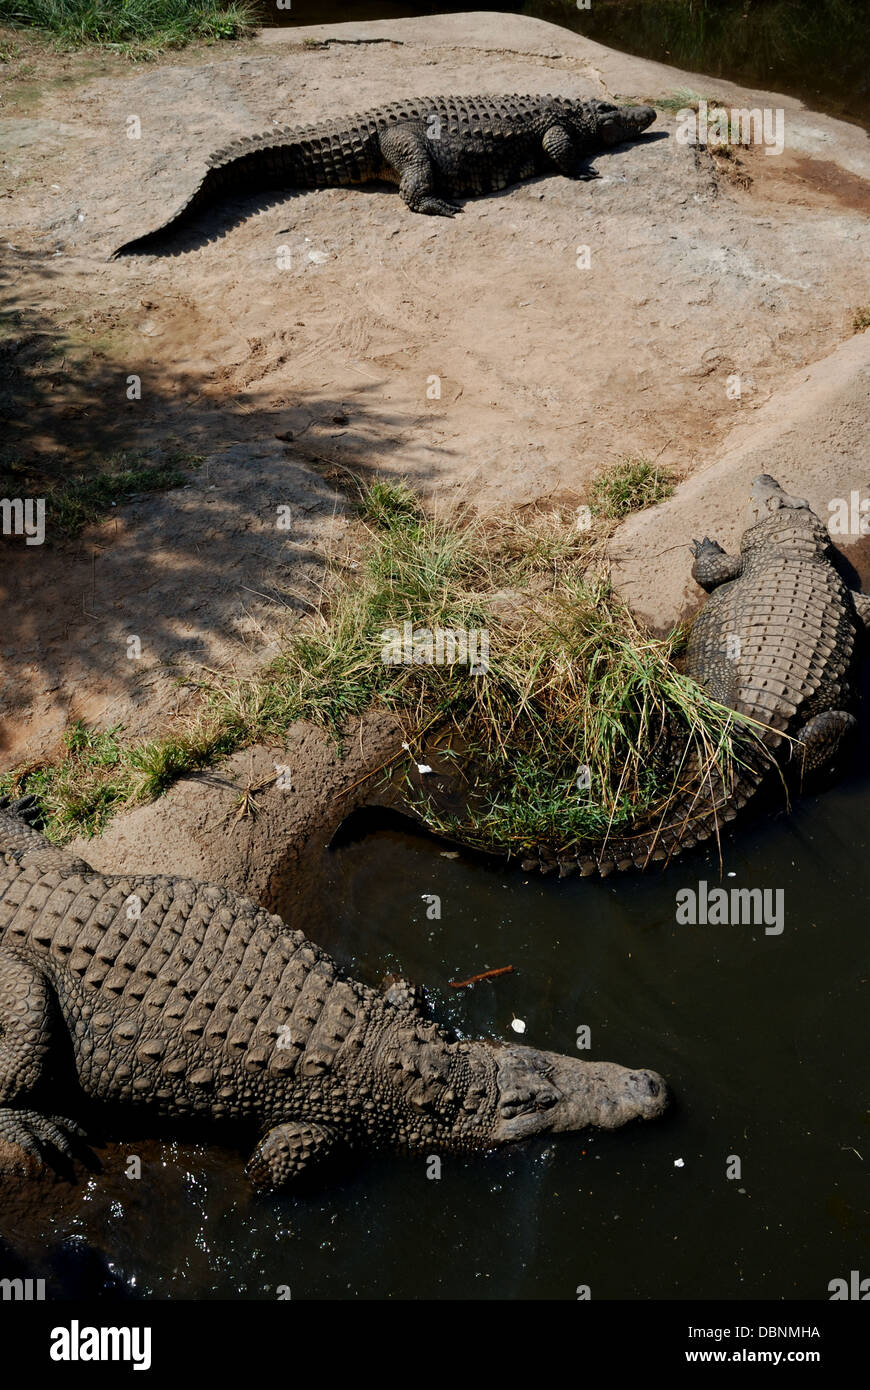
<point>650,1091</point>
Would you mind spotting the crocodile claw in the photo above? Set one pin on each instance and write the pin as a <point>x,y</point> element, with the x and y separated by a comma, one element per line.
<point>26,808</point>
<point>39,1137</point>
<point>706,544</point>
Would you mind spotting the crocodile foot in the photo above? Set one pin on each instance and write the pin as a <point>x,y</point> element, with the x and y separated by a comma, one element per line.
<point>26,808</point>
<point>436,207</point>
<point>713,565</point>
<point>822,740</point>
<point>285,1152</point>
<point>30,1141</point>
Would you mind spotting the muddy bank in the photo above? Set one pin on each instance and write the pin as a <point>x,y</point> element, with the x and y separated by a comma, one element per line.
<point>269,843</point>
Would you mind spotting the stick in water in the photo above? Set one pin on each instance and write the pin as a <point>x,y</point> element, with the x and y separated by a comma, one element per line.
<point>484,975</point>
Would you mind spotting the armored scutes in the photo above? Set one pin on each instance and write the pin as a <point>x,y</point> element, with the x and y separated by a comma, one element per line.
<point>191,1001</point>
<point>434,148</point>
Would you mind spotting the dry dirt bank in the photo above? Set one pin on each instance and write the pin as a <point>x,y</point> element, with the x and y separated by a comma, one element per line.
<point>301,338</point>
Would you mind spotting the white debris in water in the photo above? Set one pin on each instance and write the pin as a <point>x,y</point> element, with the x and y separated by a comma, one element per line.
<point>450,854</point>
<point>678,1163</point>
<point>423,767</point>
<point>518,1025</point>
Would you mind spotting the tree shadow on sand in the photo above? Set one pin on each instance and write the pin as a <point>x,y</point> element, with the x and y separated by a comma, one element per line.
<point>208,572</point>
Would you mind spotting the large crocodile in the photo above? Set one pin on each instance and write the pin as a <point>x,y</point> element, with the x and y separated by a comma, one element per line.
<point>434,148</point>
<point>188,999</point>
<point>779,641</point>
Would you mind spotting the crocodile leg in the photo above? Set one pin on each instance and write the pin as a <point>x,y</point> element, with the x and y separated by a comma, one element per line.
<point>822,738</point>
<point>286,1151</point>
<point>713,565</point>
<point>25,1041</point>
<point>404,151</point>
<point>559,145</point>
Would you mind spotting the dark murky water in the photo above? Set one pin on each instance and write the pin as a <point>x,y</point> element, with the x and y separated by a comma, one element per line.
<point>762,1037</point>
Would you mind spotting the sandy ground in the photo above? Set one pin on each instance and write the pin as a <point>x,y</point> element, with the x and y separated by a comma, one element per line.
<point>297,338</point>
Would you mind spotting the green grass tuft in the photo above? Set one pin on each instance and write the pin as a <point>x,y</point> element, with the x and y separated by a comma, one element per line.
<point>102,482</point>
<point>136,27</point>
<point>628,486</point>
<point>684,99</point>
<point>387,505</point>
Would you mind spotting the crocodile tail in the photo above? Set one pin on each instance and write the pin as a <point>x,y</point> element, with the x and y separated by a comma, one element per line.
<point>199,200</point>
<point>694,818</point>
<point>257,164</point>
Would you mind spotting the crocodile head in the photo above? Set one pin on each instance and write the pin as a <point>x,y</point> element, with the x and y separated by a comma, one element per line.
<point>545,1093</point>
<point>617,124</point>
<point>766,497</point>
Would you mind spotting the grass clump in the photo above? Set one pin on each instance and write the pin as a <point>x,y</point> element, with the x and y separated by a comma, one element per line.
<point>98,774</point>
<point>861,318</point>
<point>136,27</point>
<point>81,497</point>
<point>629,485</point>
<point>684,99</point>
<point>561,729</point>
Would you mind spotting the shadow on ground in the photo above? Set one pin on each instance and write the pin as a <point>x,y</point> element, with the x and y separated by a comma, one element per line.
<point>210,573</point>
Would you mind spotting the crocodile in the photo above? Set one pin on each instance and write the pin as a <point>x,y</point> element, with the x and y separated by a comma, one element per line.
<point>779,640</point>
<point>192,1001</point>
<point>435,148</point>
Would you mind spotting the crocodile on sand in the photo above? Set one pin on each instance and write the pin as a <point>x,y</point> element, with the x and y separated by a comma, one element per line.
<point>780,641</point>
<point>434,148</point>
<point>189,1000</point>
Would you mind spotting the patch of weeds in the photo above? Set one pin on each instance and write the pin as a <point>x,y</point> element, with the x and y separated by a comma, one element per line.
<point>78,499</point>
<point>135,28</point>
<point>82,789</point>
<point>628,486</point>
<point>861,318</point>
<point>384,503</point>
<point>98,774</point>
<point>683,99</point>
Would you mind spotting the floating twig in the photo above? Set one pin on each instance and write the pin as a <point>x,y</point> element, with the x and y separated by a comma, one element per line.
<point>484,975</point>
